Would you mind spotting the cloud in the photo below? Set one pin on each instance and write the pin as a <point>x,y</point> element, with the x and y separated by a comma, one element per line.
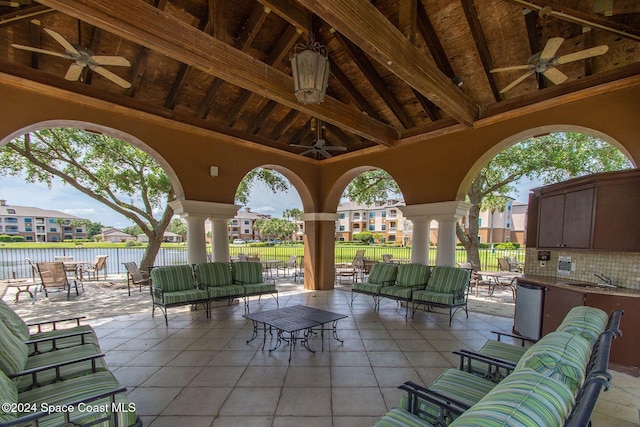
<point>80,211</point>
<point>264,209</point>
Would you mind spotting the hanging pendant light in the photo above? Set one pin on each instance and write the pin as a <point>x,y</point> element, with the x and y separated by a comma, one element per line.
<point>310,69</point>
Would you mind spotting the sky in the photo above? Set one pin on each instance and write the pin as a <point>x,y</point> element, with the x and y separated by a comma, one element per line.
<point>66,199</point>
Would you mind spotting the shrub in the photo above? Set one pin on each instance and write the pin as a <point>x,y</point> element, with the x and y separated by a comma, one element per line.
<point>507,245</point>
<point>132,243</point>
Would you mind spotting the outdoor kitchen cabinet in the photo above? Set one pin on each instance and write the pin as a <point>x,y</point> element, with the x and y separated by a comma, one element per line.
<point>557,303</point>
<point>597,212</point>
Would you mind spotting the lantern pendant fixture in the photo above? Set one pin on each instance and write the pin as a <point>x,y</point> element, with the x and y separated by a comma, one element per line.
<point>310,69</point>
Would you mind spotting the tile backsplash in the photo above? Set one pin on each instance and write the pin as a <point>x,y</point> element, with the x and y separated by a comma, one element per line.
<point>622,267</point>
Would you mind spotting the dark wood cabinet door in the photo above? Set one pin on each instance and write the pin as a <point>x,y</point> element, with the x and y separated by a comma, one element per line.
<point>557,303</point>
<point>550,221</point>
<point>578,219</point>
<point>617,208</point>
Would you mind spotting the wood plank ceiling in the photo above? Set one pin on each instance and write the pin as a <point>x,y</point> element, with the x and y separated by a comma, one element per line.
<point>400,69</point>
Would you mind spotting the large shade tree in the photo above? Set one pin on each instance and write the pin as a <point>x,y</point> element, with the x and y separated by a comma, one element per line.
<point>112,172</point>
<point>547,159</point>
<point>106,169</point>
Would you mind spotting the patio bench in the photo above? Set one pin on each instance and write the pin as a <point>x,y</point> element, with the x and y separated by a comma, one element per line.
<point>174,286</point>
<point>448,287</point>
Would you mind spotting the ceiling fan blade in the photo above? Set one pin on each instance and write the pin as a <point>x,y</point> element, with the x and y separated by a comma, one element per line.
<point>556,76</point>
<point>60,39</point>
<point>550,49</point>
<point>335,148</point>
<point>324,153</point>
<point>517,81</point>
<point>311,150</point>
<point>74,71</point>
<point>583,54</point>
<point>298,145</point>
<point>114,78</point>
<point>512,68</point>
<point>36,50</point>
<point>111,60</point>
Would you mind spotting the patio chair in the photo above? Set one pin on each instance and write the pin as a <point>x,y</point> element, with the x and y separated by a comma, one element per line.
<point>34,269</point>
<point>53,277</point>
<point>99,264</point>
<point>448,287</point>
<point>292,264</point>
<point>382,274</point>
<point>135,277</point>
<point>505,265</point>
<point>70,266</point>
<point>387,258</point>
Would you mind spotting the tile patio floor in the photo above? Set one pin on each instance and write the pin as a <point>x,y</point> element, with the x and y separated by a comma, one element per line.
<point>201,372</point>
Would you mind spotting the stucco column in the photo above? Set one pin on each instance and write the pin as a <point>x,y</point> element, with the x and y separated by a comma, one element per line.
<point>196,240</point>
<point>219,213</point>
<point>447,213</point>
<point>319,250</point>
<point>220,239</point>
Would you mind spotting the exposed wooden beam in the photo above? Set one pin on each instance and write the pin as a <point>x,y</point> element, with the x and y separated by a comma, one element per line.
<point>94,44</point>
<point>338,135</point>
<point>407,18</point>
<point>378,84</point>
<point>352,91</point>
<point>21,15</point>
<point>375,35</point>
<point>291,12</point>
<point>429,35</point>
<point>480,40</point>
<point>429,107</point>
<point>35,33</point>
<point>242,42</point>
<point>531,21</point>
<point>284,125</point>
<point>187,44</point>
<point>280,51</point>
<point>577,17</point>
<point>263,115</point>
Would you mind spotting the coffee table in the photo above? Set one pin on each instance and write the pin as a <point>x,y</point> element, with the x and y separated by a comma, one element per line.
<point>290,322</point>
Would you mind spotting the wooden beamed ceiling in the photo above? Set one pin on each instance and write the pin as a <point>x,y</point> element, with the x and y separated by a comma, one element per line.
<point>400,69</point>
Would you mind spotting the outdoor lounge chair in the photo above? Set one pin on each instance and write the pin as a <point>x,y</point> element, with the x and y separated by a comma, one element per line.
<point>173,286</point>
<point>411,277</point>
<point>99,264</point>
<point>382,274</point>
<point>53,277</point>
<point>135,277</point>
<point>292,264</point>
<point>217,280</point>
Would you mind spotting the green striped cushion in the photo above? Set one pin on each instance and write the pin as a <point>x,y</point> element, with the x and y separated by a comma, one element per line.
<point>396,291</point>
<point>437,297</point>
<point>369,288</point>
<point>15,324</point>
<point>13,352</point>
<point>247,272</point>
<point>498,350</point>
<point>225,291</point>
<point>179,297</point>
<point>213,274</point>
<point>259,288</point>
<point>448,279</point>
<point>588,322</point>
<point>412,274</point>
<point>8,394</point>
<point>77,389</point>
<point>559,355</point>
<point>173,278</point>
<point>383,273</point>
<point>459,385</point>
<point>397,417</point>
<point>524,399</point>
<point>57,357</point>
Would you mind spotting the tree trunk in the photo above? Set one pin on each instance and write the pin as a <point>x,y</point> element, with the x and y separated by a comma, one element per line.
<point>155,236</point>
<point>470,239</point>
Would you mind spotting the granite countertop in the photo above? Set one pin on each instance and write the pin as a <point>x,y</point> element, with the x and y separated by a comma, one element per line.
<point>578,286</point>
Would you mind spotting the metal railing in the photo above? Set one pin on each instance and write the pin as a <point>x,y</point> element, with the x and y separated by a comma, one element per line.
<point>13,262</point>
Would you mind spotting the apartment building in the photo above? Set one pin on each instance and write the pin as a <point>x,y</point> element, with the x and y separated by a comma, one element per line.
<point>241,226</point>
<point>39,225</point>
<point>383,219</point>
<point>387,221</point>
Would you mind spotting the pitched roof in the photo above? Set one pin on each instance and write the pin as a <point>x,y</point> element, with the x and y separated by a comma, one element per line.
<point>29,211</point>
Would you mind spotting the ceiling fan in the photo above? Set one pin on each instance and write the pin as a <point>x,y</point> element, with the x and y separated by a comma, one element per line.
<point>545,62</point>
<point>82,58</point>
<point>319,146</point>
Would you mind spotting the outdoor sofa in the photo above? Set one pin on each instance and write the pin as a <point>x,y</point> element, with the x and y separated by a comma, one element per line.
<point>419,284</point>
<point>556,382</point>
<point>64,382</point>
<point>203,283</point>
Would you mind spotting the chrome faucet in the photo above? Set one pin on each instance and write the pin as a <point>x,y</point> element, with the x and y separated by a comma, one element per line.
<point>605,279</point>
